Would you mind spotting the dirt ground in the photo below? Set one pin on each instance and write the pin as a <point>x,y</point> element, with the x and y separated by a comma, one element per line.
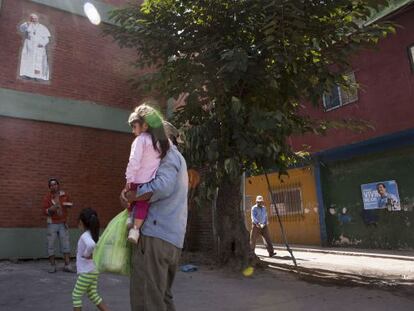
<point>28,286</point>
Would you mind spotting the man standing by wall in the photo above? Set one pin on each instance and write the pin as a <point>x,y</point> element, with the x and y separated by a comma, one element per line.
<point>55,207</point>
<point>259,226</point>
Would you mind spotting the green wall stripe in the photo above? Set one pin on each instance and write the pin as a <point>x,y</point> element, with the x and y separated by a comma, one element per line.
<point>28,243</point>
<point>76,7</point>
<point>37,107</point>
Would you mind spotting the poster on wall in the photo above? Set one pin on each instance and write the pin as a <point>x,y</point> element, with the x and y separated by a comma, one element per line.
<point>381,195</point>
<point>34,61</point>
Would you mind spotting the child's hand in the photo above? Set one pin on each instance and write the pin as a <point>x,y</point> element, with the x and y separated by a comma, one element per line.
<point>123,199</point>
<point>128,186</point>
<point>56,199</point>
<point>131,196</point>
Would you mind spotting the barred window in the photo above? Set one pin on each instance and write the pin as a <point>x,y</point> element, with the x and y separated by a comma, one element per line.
<point>340,96</point>
<point>288,200</point>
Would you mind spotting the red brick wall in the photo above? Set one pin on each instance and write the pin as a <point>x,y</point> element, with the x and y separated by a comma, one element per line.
<point>89,163</point>
<point>84,64</point>
<point>199,229</point>
<point>387,95</point>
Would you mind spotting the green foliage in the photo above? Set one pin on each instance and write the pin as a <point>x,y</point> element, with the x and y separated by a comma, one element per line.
<point>247,65</point>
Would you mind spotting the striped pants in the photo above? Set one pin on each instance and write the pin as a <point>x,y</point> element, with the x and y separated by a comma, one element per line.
<point>86,283</point>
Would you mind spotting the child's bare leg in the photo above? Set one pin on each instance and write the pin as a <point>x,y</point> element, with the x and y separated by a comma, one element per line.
<point>102,307</point>
<point>138,223</point>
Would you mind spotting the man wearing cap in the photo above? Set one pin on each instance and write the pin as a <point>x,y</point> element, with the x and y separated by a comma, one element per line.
<point>259,226</point>
<point>55,207</point>
<point>155,258</point>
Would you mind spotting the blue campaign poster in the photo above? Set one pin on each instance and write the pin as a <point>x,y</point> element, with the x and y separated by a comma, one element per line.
<point>381,195</point>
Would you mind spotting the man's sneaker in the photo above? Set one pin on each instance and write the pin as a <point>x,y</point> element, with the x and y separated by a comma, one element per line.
<point>133,235</point>
<point>68,268</point>
<point>52,269</point>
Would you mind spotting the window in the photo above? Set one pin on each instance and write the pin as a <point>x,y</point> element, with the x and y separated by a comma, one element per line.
<point>411,56</point>
<point>339,96</point>
<point>288,200</point>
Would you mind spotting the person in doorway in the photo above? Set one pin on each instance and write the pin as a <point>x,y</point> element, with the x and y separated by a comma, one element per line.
<point>156,256</point>
<point>260,226</point>
<point>33,62</point>
<point>55,207</point>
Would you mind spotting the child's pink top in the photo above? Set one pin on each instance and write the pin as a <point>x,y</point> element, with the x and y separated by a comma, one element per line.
<point>143,160</point>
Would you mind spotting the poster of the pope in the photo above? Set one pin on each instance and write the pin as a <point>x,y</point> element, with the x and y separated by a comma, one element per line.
<point>34,63</point>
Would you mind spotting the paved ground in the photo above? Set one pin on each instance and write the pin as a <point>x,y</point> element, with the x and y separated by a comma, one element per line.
<point>27,286</point>
<point>372,266</point>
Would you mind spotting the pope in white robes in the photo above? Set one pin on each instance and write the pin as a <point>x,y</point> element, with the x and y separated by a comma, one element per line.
<point>34,63</point>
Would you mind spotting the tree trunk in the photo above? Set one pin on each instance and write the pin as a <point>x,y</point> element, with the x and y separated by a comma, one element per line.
<point>232,236</point>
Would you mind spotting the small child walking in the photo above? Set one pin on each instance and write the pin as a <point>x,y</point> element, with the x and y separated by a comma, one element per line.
<point>149,147</point>
<point>87,273</point>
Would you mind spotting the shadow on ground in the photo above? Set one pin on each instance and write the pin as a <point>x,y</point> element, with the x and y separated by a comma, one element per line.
<point>328,277</point>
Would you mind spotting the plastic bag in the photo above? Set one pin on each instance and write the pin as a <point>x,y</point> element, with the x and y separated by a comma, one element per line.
<point>113,252</point>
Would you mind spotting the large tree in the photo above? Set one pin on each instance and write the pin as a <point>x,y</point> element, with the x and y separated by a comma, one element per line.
<point>247,65</point>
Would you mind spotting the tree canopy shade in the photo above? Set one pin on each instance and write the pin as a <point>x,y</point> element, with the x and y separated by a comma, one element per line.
<point>247,66</point>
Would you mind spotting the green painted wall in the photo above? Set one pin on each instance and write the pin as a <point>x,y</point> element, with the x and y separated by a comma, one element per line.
<point>28,243</point>
<point>341,183</point>
<point>37,107</point>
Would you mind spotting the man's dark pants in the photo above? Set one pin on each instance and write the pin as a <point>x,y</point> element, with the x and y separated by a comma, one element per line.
<point>154,263</point>
<point>264,232</point>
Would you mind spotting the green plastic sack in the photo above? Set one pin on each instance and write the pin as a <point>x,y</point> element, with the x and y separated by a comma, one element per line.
<point>113,252</point>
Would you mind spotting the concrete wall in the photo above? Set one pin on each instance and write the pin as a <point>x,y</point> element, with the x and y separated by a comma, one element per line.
<point>30,243</point>
<point>24,105</point>
<point>341,182</point>
<point>300,229</point>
